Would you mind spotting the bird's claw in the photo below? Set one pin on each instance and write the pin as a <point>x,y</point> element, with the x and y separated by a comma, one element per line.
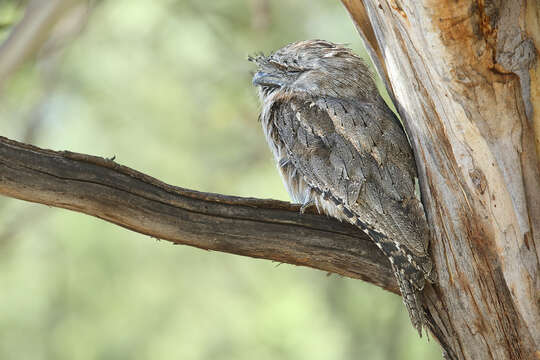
<point>305,206</point>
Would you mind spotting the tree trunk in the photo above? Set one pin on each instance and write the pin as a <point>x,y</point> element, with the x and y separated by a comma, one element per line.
<point>466,81</point>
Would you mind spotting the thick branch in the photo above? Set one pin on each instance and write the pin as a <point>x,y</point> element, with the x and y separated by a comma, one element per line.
<point>267,229</point>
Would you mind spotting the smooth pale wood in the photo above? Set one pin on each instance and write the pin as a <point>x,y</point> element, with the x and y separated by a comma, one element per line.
<point>367,34</point>
<point>452,66</point>
<point>267,229</point>
<point>532,27</point>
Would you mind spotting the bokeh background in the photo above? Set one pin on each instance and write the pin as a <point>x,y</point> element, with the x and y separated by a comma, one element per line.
<point>165,87</point>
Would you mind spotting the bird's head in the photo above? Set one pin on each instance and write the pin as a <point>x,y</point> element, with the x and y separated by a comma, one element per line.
<point>313,68</point>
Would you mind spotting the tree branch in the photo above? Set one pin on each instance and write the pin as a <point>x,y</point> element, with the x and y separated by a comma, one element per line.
<point>266,229</point>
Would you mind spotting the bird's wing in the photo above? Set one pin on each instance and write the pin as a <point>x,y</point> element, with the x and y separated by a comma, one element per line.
<point>359,154</point>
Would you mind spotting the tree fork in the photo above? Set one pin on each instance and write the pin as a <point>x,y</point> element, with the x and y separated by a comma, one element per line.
<point>259,228</point>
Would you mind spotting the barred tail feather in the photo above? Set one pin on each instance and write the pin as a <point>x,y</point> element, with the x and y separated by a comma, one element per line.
<point>410,277</point>
<point>411,271</point>
<point>412,298</point>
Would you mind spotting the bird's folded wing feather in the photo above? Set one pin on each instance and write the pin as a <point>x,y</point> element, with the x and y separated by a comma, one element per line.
<point>339,146</point>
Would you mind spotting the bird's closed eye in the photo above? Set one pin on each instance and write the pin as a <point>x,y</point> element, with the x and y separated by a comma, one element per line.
<point>286,68</point>
<point>279,66</point>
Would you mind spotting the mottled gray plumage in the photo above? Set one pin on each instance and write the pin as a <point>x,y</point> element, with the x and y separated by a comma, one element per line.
<point>338,146</point>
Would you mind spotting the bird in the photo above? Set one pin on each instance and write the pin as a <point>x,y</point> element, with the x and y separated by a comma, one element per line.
<point>339,147</point>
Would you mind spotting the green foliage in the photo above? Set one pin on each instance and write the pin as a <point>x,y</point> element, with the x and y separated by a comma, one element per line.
<point>165,87</point>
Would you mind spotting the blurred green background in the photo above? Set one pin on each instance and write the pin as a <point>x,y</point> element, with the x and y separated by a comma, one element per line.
<point>165,87</point>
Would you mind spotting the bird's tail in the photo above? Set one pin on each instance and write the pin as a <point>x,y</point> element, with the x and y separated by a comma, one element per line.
<point>410,270</point>
<point>412,298</point>
<point>411,273</point>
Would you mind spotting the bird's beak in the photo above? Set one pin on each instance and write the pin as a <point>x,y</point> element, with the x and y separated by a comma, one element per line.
<point>265,79</point>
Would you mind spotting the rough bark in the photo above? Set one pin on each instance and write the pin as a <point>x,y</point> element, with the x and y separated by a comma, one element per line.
<point>257,228</point>
<point>465,78</point>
